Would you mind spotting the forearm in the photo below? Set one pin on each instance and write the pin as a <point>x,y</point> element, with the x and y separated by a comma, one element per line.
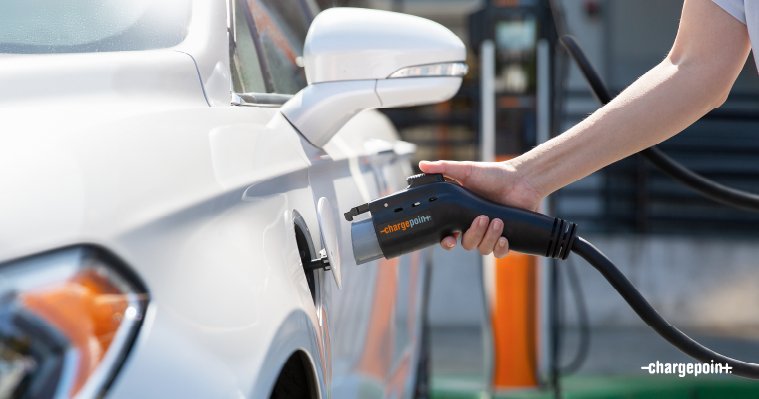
<point>708,54</point>
<point>657,106</point>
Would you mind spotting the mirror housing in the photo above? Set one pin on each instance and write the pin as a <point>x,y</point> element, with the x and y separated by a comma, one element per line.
<point>357,59</point>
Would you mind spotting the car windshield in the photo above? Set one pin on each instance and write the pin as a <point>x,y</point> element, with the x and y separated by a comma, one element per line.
<point>86,26</point>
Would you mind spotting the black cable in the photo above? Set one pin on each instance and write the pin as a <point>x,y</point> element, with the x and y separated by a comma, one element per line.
<point>423,371</point>
<point>557,13</point>
<point>674,170</point>
<point>649,315</point>
<point>597,86</point>
<point>560,73</point>
<point>583,321</point>
<point>555,329</point>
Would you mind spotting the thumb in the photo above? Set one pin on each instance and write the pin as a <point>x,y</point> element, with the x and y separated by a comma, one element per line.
<point>455,170</point>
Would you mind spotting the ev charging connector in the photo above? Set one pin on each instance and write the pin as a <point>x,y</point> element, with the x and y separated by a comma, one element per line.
<point>431,208</point>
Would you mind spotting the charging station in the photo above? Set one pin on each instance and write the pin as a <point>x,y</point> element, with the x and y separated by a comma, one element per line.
<point>515,42</point>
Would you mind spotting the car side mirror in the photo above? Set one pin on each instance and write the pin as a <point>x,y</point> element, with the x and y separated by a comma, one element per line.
<point>357,59</point>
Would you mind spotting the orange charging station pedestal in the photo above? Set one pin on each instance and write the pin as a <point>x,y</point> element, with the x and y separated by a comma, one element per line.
<point>514,320</point>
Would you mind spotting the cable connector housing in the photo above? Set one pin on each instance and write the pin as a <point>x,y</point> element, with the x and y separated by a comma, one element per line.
<point>562,237</point>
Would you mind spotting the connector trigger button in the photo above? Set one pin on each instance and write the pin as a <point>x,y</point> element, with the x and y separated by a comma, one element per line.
<point>424,178</point>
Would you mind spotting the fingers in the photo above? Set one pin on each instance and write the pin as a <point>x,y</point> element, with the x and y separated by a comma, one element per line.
<point>501,248</point>
<point>491,237</point>
<point>449,243</point>
<point>432,167</point>
<point>493,242</point>
<point>476,232</point>
<point>455,170</point>
<point>481,235</point>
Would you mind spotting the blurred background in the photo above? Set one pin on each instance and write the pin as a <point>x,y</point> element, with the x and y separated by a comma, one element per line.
<point>696,261</point>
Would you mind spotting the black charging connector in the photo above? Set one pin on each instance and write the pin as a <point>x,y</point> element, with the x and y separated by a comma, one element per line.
<point>431,208</point>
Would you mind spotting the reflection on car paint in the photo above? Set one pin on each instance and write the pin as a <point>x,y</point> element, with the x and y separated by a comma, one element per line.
<point>377,355</point>
<point>377,360</point>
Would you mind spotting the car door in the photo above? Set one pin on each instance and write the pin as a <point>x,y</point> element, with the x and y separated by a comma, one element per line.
<point>377,319</point>
<point>371,326</point>
<point>265,44</point>
<point>278,29</point>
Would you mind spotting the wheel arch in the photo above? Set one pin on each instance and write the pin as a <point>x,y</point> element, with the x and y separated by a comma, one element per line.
<point>297,378</point>
<point>295,336</point>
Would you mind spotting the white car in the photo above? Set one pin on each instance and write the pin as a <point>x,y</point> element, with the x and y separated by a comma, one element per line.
<point>169,179</point>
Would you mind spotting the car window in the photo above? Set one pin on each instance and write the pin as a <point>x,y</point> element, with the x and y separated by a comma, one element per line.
<point>282,26</point>
<point>312,8</point>
<point>247,76</point>
<point>85,26</point>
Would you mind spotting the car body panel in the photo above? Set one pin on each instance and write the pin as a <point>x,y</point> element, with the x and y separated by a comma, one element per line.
<point>172,221</point>
<point>124,152</point>
<point>377,327</point>
<point>137,79</point>
<point>231,171</point>
<point>208,45</point>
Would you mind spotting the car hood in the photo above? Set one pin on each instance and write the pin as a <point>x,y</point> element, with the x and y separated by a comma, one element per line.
<point>114,79</point>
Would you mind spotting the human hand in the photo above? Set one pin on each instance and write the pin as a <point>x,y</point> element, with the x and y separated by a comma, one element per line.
<point>496,181</point>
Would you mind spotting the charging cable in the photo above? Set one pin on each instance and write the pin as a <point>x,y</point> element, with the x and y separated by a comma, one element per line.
<point>651,317</point>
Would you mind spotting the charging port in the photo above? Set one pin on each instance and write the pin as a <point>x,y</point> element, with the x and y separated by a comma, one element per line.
<point>306,251</point>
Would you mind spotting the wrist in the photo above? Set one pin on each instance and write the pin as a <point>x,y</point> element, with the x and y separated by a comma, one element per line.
<point>531,192</point>
<point>535,168</point>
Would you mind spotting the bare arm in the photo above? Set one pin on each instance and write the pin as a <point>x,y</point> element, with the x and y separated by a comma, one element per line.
<point>696,76</point>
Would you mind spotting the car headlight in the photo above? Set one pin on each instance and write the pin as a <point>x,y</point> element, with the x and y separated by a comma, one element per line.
<point>67,319</point>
